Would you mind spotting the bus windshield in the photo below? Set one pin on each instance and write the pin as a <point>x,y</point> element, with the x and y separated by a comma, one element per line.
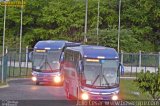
<point>101,74</point>
<point>46,62</point>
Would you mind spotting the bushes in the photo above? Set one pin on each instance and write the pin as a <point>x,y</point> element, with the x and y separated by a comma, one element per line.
<point>149,82</point>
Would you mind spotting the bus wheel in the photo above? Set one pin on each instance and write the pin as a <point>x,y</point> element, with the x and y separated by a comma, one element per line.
<point>37,83</point>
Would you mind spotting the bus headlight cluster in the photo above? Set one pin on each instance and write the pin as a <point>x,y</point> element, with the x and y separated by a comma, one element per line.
<point>34,78</point>
<point>85,96</point>
<point>114,97</point>
<point>57,79</point>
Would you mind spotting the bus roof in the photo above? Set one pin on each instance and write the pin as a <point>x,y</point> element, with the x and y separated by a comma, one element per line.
<point>91,51</point>
<point>54,44</point>
<point>50,44</point>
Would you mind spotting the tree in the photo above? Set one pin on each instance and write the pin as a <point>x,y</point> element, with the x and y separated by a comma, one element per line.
<point>149,82</point>
<point>64,19</point>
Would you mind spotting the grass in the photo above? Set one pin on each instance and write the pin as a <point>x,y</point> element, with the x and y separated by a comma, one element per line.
<point>1,84</point>
<point>16,72</point>
<point>128,74</point>
<point>129,91</point>
<point>19,72</point>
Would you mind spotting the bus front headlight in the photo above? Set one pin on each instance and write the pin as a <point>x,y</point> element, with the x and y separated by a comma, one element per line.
<point>57,79</point>
<point>114,97</point>
<point>34,78</point>
<point>85,96</point>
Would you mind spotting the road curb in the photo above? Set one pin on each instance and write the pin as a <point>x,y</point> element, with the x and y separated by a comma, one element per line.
<point>4,86</point>
<point>11,79</point>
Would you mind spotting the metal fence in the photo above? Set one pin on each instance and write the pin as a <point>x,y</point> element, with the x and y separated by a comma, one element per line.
<point>18,64</point>
<point>3,70</point>
<point>137,62</point>
<point>140,60</point>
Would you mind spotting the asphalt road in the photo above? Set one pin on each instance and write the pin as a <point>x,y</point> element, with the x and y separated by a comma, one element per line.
<point>23,92</point>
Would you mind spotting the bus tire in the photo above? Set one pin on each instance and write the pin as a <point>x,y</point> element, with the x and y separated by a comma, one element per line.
<point>37,83</point>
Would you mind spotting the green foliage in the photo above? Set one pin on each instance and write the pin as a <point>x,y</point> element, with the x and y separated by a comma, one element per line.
<point>128,42</point>
<point>149,82</point>
<point>64,19</point>
<point>142,17</point>
<point>130,91</point>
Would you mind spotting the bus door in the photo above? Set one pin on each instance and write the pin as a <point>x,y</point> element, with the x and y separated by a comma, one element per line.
<point>70,82</point>
<point>73,89</point>
<point>75,74</point>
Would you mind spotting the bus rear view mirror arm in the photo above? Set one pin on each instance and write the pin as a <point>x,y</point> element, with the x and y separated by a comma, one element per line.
<point>80,66</point>
<point>121,69</point>
<point>30,56</point>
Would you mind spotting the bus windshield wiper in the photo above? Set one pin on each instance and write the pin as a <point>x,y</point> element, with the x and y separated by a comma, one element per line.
<point>45,63</point>
<point>42,60</point>
<point>95,80</point>
<point>98,77</point>
<point>106,80</point>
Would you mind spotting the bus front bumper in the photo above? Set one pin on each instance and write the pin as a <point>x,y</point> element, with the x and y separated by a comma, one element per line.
<point>90,95</point>
<point>43,77</point>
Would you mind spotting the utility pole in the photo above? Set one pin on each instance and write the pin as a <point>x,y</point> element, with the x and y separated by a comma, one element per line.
<point>4,30</point>
<point>119,24</point>
<point>20,43</point>
<point>85,28</point>
<point>98,23</point>
<point>5,8</point>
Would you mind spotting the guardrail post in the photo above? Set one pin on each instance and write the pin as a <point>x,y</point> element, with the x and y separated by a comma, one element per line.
<point>121,57</point>
<point>140,59</point>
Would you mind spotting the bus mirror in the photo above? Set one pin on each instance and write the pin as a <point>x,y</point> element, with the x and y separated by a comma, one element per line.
<point>62,57</point>
<point>121,69</point>
<point>30,56</point>
<point>80,66</point>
